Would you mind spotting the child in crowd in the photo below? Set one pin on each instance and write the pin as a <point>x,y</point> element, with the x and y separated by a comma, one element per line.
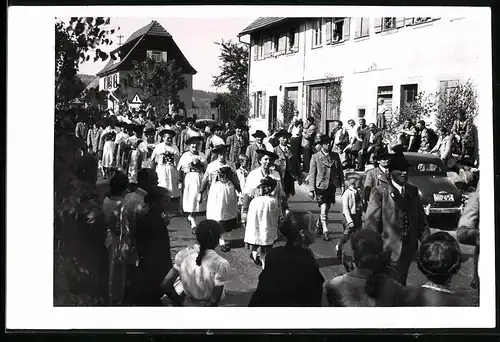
<point>439,260</point>
<point>242,174</point>
<point>352,203</point>
<point>199,273</point>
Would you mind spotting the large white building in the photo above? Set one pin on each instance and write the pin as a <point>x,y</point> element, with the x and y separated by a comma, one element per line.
<point>392,58</point>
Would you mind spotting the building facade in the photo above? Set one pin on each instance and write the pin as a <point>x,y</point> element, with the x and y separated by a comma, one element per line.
<point>151,41</point>
<point>363,58</point>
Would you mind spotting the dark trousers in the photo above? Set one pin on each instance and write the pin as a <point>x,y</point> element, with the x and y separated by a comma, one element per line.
<point>307,158</point>
<point>363,157</point>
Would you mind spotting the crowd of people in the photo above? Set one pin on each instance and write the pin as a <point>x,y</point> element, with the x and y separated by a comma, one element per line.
<point>220,181</point>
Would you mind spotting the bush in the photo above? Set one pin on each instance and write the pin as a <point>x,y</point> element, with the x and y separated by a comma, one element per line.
<point>420,109</point>
<point>464,96</point>
<point>288,111</point>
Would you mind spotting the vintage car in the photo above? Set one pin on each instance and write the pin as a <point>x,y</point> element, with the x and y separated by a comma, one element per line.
<point>439,195</point>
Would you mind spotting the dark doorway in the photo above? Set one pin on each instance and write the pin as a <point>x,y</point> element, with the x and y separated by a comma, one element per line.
<point>273,112</point>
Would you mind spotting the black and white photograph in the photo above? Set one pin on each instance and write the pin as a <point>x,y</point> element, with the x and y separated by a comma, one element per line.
<point>235,159</point>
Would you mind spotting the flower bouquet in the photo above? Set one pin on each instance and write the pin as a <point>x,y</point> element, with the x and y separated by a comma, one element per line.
<point>168,158</point>
<point>267,186</point>
<point>197,166</point>
<point>223,174</point>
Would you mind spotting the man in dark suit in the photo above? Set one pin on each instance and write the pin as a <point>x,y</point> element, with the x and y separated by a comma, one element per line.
<point>395,211</point>
<point>325,176</point>
<point>378,175</point>
<point>372,142</point>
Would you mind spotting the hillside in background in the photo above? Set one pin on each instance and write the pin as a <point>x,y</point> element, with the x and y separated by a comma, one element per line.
<point>203,98</point>
<point>86,79</point>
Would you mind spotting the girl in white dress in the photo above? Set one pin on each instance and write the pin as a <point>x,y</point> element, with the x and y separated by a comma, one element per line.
<point>222,202</point>
<point>264,202</point>
<point>108,160</point>
<point>191,167</point>
<point>165,158</point>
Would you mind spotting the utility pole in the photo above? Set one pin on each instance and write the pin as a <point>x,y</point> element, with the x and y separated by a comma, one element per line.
<point>120,39</point>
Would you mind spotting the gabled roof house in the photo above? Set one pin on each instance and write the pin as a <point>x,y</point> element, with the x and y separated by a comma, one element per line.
<point>150,41</point>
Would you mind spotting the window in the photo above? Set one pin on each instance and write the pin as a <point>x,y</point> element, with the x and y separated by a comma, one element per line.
<point>279,42</point>
<point>259,104</point>
<point>292,93</point>
<point>386,94</point>
<point>419,20</point>
<point>448,85</point>
<point>388,24</point>
<point>426,167</point>
<point>317,33</point>
<point>362,27</point>
<point>261,48</point>
<point>293,40</point>
<point>337,30</point>
<point>158,56</point>
<point>409,94</point>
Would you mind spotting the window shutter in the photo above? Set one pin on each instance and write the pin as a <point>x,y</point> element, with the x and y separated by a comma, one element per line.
<point>347,28</point>
<point>296,39</point>
<point>282,42</point>
<point>267,50</point>
<point>149,54</point>
<point>254,49</point>
<point>254,102</point>
<point>357,32</point>
<point>408,21</point>
<point>264,111</point>
<point>378,25</point>
<point>328,28</point>
<point>400,22</point>
<point>164,56</point>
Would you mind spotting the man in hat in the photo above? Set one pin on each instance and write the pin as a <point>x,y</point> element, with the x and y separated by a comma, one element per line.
<point>325,176</point>
<point>396,212</point>
<point>177,128</point>
<point>237,145</point>
<point>257,145</point>
<point>287,166</point>
<point>378,175</point>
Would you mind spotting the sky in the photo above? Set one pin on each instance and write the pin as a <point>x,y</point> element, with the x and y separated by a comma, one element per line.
<point>194,36</point>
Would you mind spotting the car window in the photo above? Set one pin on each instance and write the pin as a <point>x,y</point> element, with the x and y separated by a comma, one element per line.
<point>427,167</point>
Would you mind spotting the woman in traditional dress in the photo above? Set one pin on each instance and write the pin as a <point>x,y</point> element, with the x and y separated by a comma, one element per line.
<point>108,160</point>
<point>165,158</point>
<point>191,167</point>
<point>147,146</point>
<point>222,184</point>
<point>264,201</point>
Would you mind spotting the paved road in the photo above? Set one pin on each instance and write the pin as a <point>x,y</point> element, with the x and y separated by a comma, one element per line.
<point>243,277</point>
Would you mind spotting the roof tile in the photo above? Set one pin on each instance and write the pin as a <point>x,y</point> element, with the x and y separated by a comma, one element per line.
<point>260,23</point>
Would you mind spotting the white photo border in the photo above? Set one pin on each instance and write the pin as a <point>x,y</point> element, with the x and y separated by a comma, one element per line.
<point>30,123</point>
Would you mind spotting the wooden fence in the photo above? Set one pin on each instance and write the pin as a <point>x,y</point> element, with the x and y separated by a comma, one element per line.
<point>204,113</point>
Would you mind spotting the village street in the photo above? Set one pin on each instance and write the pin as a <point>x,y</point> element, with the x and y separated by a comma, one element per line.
<point>244,273</point>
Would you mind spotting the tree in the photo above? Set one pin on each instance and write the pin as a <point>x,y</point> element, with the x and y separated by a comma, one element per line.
<point>234,69</point>
<point>464,96</point>
<point>76,41</point>
<point>232,106</point>
<point>159,82</point>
